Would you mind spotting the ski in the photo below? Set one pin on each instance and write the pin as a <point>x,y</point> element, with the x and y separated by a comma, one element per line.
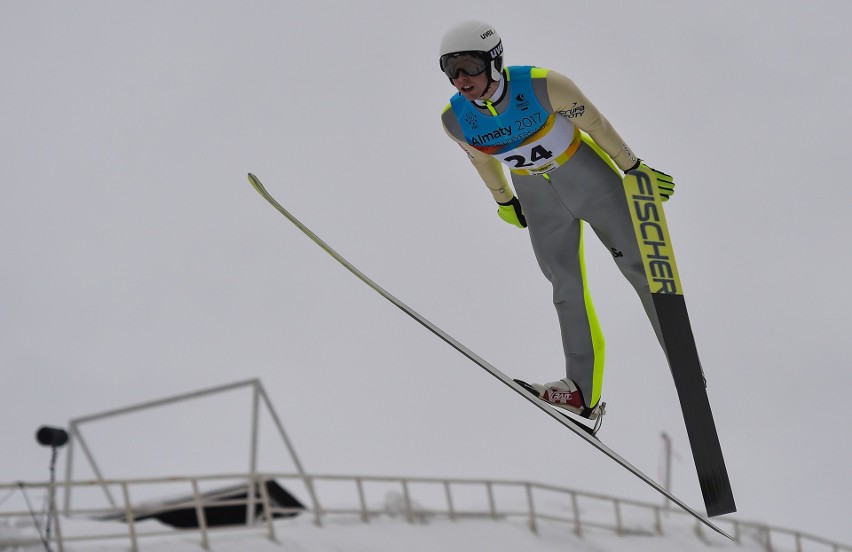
<point>654,241</point>
<point>509,382</point>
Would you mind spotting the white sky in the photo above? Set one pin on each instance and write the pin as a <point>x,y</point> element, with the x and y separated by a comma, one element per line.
<point>137,262</point>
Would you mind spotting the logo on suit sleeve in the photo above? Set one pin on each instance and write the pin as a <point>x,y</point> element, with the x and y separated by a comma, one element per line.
<point>573,111</point>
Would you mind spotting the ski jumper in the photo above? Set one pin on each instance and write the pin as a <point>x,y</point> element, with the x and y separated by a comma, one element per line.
<point>562,176</point>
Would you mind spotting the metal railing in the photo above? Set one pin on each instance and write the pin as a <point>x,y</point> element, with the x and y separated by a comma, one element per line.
<point>348,495</point>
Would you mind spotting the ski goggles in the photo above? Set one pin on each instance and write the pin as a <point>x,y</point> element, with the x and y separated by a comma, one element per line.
<point>471,63</point>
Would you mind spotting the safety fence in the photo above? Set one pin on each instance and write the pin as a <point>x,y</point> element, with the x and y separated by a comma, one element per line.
<point>413,499</point>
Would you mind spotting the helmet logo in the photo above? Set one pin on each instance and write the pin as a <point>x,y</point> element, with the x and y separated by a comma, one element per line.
<point>486,34</point>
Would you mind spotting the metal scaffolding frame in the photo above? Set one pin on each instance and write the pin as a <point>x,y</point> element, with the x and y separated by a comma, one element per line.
<point>259,395</point>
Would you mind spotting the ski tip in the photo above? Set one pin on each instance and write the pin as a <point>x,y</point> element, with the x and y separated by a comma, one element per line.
<point>255,182</point>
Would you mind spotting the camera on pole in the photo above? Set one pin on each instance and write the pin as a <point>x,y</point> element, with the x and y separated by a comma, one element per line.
<point>51,436</point>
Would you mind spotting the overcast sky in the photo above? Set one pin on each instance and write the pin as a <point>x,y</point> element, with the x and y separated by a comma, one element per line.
<point>137,262</point>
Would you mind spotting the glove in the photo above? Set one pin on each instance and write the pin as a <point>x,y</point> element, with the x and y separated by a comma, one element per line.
<point>665,183</point>
<point>511,212</point>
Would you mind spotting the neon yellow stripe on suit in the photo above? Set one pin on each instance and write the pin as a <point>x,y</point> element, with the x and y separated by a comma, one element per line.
<point>598,344</point>
<point>601,153</point>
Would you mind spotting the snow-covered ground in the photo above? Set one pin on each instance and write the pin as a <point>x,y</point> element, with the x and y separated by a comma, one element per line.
<point>392,535</point>
<point>390,532</point>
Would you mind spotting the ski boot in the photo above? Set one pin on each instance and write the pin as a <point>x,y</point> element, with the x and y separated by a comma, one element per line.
<point>566,395</point>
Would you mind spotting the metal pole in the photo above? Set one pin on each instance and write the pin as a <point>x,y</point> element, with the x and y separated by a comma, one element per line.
<point>130,517</point>
<point>97,471</point>
<point>531,505</point>
<point>162,402</point>
<point>365,516</point>
<point>450,508</point>
<point>254,482</point>
<point>308,482</point>
<point>667,449</point>
<point>67,486</point>
<point>619,526</point>
<point>267,510</point>
<point>199,513</point>
<point>51,493</point>
<point>409,510</point>
<point>255,414</point>
<point>578,530</point>
<point>60,546</point>
<point>491,504</point>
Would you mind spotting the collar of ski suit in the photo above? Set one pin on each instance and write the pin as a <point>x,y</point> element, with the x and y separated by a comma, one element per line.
<point>495,97</point>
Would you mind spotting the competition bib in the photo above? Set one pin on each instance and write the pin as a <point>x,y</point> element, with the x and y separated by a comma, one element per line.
<point>545,150</point>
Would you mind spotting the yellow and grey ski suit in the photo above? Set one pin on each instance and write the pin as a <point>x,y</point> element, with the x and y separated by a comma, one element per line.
<point>562,156</point>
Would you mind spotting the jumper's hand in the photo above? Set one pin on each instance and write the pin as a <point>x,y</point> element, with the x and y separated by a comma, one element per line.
<point>664,183</point>
<point>511,212</point>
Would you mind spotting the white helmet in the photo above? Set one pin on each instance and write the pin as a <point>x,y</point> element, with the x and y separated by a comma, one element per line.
<point>474,40</point>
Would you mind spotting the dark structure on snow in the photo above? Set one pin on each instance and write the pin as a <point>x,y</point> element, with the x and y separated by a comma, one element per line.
<point>222,507</point>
